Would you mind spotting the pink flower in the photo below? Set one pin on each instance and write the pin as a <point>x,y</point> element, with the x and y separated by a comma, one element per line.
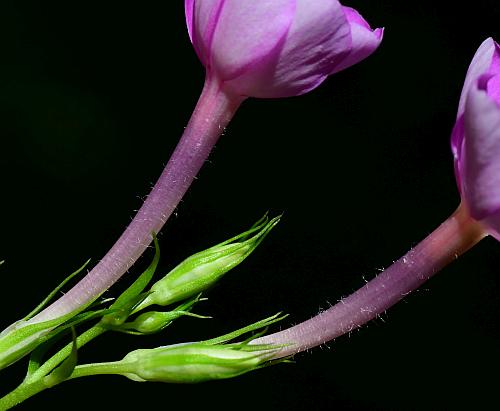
<point>476,138</point>
<point>277,48</point>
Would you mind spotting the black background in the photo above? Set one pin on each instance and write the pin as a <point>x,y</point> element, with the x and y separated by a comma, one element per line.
<point>94,96</point>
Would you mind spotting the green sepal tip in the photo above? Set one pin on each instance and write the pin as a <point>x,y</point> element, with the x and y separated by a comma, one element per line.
<point>155,321</point>
<point>53,293</point>
<point>262,324</point>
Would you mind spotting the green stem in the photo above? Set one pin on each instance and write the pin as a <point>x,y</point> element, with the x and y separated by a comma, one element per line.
<point>62,354</point>
<point>21,393</point>
<point>36,383</point>
<point>86,370</point>
<point>27,390</point>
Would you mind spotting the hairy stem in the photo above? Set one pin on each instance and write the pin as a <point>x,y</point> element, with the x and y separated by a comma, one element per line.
<point>451,239</point>
<point>214,110</point>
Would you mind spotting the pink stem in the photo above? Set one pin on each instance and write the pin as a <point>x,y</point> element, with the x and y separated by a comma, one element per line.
<point>451,239</point>
<point>213,112</point>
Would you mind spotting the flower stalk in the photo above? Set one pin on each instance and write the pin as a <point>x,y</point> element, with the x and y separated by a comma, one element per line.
<point>451,239</point>
<point>259,51</point>
<point>213,112</point>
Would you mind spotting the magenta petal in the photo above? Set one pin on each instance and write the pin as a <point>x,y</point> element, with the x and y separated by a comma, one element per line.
<point>353,17</point>
<point>201,18</point>
<point>364,40</point>
<point>189,12</point>
<point>247,32</point>
<point>276,48</point>
<point>318,39</point>
<point>457,141</point>
<point>481,154</point>
<point>487,57</point>
<point>492,86</point>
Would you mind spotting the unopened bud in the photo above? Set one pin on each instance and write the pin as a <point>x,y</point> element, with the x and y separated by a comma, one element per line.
<point>155,321</point>
<point>203,269</point>
<point>192,362</point>
<point>212,359</point>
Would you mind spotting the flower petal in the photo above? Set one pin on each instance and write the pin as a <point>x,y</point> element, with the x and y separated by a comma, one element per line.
<point>201,18</point>
<point>277,48</point>
<point>189,13</point>
<point>481,152</point>
<point>318,39</point>
<point>492,85</point>
<point>248,31</point>
<point>364,40</point>
<point>487,57</point>
<point>457,142</point>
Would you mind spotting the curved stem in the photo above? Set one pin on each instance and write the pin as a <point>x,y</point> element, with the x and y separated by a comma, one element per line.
<point>451,239</point>
<point>36,383</point>
<point>213,112</point>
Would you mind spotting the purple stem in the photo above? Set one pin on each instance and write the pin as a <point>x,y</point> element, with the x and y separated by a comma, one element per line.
<point>451,239</point>
<point>213,112</point>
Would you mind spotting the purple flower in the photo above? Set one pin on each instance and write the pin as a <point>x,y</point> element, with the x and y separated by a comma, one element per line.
<point>277,48</point>
<point>475,139</point>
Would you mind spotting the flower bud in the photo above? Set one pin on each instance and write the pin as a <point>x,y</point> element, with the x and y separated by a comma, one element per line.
<point>475,139</point>
<point>154,321</point>
<point>192,362</point>
<point>203,269</point>
<point>22,337</point>
<point>278,48</point>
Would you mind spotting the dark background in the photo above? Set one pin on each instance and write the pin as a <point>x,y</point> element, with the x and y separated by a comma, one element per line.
<point>93,98</point>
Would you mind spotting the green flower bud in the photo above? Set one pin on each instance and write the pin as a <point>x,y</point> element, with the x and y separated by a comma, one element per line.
<point>192,362</point>
<point>154,321</point>
<point>18,340</point>
<point>212,359</point>
<point>203,269</point>
<point>24,335</point>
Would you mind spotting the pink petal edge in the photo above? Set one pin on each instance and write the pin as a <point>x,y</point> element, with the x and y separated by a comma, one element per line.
<point>364,40</point>
<point>481,153</point>
<point>480,64</point>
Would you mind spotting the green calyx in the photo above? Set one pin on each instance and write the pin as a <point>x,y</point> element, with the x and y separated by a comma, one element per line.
<point>217,358</point>
<point>203,269</point>
<point>154,321</point>
<point>23,336</point>
<point>192,363</point>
